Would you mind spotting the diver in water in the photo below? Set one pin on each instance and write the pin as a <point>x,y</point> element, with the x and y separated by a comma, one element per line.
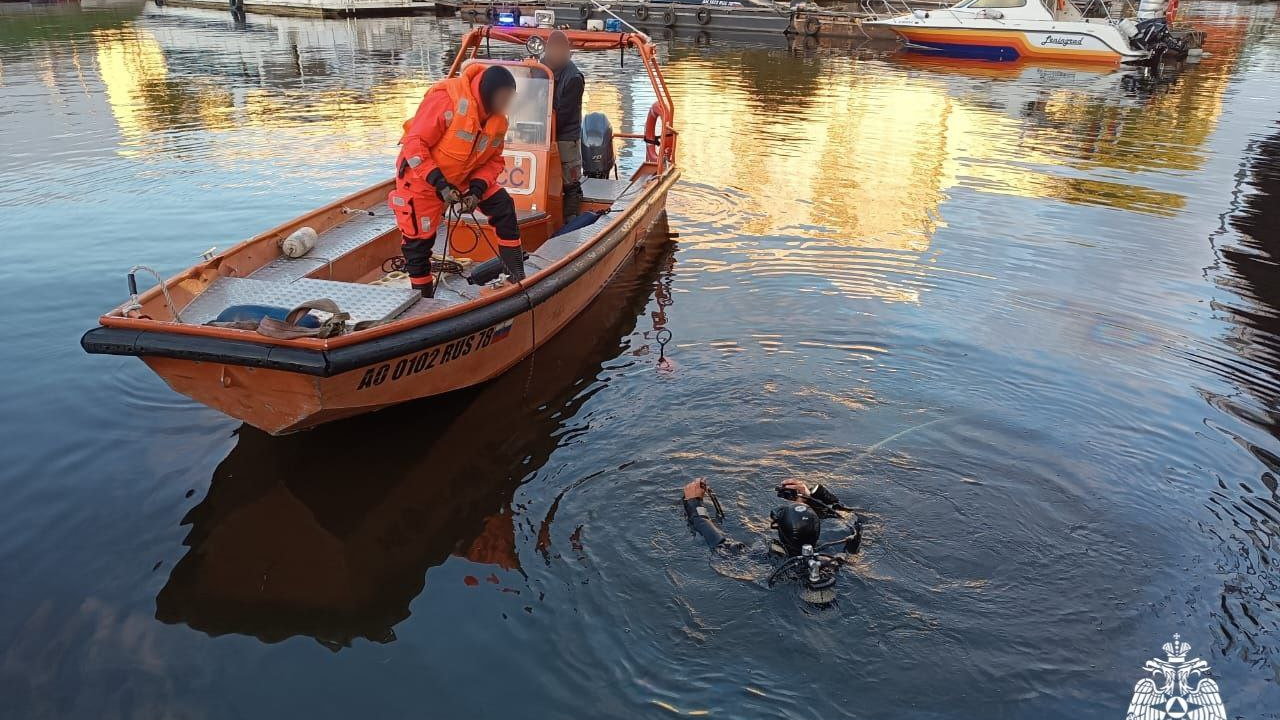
<point>799,551</point>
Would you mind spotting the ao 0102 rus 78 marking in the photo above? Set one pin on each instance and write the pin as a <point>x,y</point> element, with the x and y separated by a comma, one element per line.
<point>436,356</point>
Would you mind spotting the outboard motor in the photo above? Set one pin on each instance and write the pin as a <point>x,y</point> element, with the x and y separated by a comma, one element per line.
<point>1153,34</point>
<point>597,146</point>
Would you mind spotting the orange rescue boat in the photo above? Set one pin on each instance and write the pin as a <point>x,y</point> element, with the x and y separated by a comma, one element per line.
<point>392,345</point>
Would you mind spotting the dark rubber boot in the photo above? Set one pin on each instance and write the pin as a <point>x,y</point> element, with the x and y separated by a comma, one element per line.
<point>426,286</point>
<point>572,201</point>
<point>512,261</point>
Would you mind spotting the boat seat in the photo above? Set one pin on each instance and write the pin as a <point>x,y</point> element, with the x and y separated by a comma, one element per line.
<point>334,243</point>
<point>361,301</point>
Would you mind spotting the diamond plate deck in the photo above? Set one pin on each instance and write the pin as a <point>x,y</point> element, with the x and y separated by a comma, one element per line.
<point>363,302</point>
<point>450,290</point>
<point>332,244</point>
<point>602,190</point>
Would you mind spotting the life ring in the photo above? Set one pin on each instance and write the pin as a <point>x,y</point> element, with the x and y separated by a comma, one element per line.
<point>704,15</point>
<point>584,11</point>
<point>812,26</point>
<point>669,17</point>
<point>651,141</point>
<point>642,12</point>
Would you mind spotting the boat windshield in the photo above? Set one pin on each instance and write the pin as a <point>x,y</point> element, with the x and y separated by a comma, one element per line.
<point>529,116</point>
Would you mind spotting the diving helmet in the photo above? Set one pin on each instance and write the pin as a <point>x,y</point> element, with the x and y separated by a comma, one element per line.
<point>798,525</point>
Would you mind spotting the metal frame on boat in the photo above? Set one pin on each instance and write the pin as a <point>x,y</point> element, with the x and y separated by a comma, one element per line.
<point>415,347</point>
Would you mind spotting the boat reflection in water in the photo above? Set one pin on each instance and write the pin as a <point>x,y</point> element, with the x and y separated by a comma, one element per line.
<point>330,533</point>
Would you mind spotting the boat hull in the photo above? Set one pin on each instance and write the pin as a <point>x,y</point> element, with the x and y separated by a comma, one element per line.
<point>280,394</point>
<point>1012,44</point>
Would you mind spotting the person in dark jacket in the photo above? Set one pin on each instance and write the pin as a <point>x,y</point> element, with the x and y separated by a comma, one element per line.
<point>567,104</point>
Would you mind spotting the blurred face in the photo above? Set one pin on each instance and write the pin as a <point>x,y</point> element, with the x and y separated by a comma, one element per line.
<point>556,55</point>
<point>502,100</point>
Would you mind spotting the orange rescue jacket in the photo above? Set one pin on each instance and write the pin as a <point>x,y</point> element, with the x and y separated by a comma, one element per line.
<point>460,145</point>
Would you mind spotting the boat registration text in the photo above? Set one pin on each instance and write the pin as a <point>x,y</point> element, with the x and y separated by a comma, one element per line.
<point>434,357</point>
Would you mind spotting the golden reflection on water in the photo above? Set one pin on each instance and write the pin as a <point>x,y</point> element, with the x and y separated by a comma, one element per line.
<point>880,156</point>
<point>131,65</point>
<point>862,152</point>
<point>817,171</point>
<point>870,160</point>
<point>145,102</point>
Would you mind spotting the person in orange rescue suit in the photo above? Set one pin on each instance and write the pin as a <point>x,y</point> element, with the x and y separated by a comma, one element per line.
<point>451,155</point>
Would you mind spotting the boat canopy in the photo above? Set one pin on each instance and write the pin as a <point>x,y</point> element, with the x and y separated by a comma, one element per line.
<point>1042,10</point>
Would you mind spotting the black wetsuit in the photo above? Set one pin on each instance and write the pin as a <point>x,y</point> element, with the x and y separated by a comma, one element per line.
<point>822,500</point>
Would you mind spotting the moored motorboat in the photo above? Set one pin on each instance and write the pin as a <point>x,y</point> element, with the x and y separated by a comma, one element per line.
<point>1041,30</point>
<point>355,337</point>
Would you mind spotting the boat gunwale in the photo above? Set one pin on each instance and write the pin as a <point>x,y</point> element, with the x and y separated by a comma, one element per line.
<point>136,337</point>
